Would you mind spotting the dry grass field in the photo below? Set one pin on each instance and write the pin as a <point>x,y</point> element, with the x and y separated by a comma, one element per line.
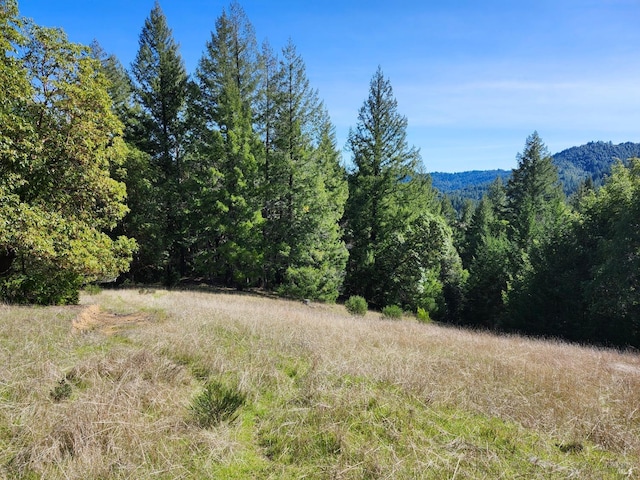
<point>155,384</point>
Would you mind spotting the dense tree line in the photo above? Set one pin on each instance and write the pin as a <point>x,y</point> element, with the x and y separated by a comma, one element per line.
<point>543,266</point>
<point>232,176</point>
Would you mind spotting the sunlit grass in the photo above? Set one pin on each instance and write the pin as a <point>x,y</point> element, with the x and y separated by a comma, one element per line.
<point>324,395</point>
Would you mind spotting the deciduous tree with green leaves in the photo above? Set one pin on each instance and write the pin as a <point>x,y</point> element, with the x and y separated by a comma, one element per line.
<point>60,140</point>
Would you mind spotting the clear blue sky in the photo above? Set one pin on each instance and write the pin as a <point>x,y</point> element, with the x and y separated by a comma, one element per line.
<point>473,78</point>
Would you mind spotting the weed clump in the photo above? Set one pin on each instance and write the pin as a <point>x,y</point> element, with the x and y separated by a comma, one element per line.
<point>423,315</point>
<point>392,311</point>
<point>215,403</point>
<point>61,391</point>
<point>356,305</point>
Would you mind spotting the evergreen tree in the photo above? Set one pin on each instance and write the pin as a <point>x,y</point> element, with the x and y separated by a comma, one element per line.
<point>143,222</point>
<point>394,230</point>
<point>269,106</point>
<point>319,259</point>
<point>119,86</point>
<point>487,255</point>
<point>229,213</point>
<point>160,86</point>
<point>537,214</point>
<point>612,290</point>
<point>304,253</point>
<point>535,201</point>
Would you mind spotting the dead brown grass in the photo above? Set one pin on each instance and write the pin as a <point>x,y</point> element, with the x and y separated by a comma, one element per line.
<point>92,317</point>
<point>557,388</point>
<point>132,374</point>
<point>569,391</point>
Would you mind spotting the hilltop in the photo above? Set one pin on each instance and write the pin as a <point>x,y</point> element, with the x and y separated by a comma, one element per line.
<point>159,384</point>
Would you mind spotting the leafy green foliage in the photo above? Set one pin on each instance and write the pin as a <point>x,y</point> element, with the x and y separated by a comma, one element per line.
<point>356,305</point>
<point>57,198</point>
<point>392,311</point>
<point>611,222</point>
<point>423,316</point>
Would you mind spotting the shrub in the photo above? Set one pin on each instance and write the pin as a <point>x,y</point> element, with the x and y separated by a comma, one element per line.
<point>356,305</point>
<point>392,311</point>
<point>44,285</point>
<point>217,402</point>
<point>423,315</point>
<point>61,391</point>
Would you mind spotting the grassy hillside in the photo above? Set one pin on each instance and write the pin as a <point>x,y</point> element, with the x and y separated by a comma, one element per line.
<point>212,385</point>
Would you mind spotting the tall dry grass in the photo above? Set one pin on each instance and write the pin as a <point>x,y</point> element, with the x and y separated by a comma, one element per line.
<point>300,366</point>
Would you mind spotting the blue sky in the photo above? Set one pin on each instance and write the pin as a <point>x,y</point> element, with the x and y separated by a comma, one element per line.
<point>474,79</point>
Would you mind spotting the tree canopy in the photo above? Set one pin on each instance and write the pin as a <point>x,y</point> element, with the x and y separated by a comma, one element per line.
<point>58,200</point>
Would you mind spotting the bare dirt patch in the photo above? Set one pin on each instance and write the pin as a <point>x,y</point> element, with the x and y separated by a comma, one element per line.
<point>93,318</point>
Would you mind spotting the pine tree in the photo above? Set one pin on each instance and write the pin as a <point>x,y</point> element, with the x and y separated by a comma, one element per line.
<point>396,235</point>
<point>229,213</point>
<point>302,196</point>
<point>160,87</point>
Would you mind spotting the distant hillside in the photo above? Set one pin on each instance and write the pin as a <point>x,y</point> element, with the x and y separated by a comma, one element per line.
<point>575,165</point>
<point>470,185</point>
<point>592,160</point>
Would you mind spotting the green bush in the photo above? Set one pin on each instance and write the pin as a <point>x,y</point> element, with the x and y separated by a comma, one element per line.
<point>423,315</point>
<point>42,286</point>
<point>61,391</point>
<point>356,305</point>
<point>392,311</point>
<point>217,402</point>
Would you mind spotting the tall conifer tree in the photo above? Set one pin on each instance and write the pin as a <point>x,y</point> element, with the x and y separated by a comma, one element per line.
<point>230,214</point>
<point>396,235</point>
<point>160,86</point>
<point>535,200</point>
<point>303,190</point>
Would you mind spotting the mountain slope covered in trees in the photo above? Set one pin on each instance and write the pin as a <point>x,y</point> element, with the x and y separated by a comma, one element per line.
<point>575,166</point>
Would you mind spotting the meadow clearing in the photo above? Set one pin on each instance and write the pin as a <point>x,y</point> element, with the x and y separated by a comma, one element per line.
<point>158,384</point>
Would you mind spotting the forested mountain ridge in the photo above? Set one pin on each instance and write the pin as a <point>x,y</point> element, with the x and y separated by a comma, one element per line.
<point>592,160</point>
<point>575,165</point>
